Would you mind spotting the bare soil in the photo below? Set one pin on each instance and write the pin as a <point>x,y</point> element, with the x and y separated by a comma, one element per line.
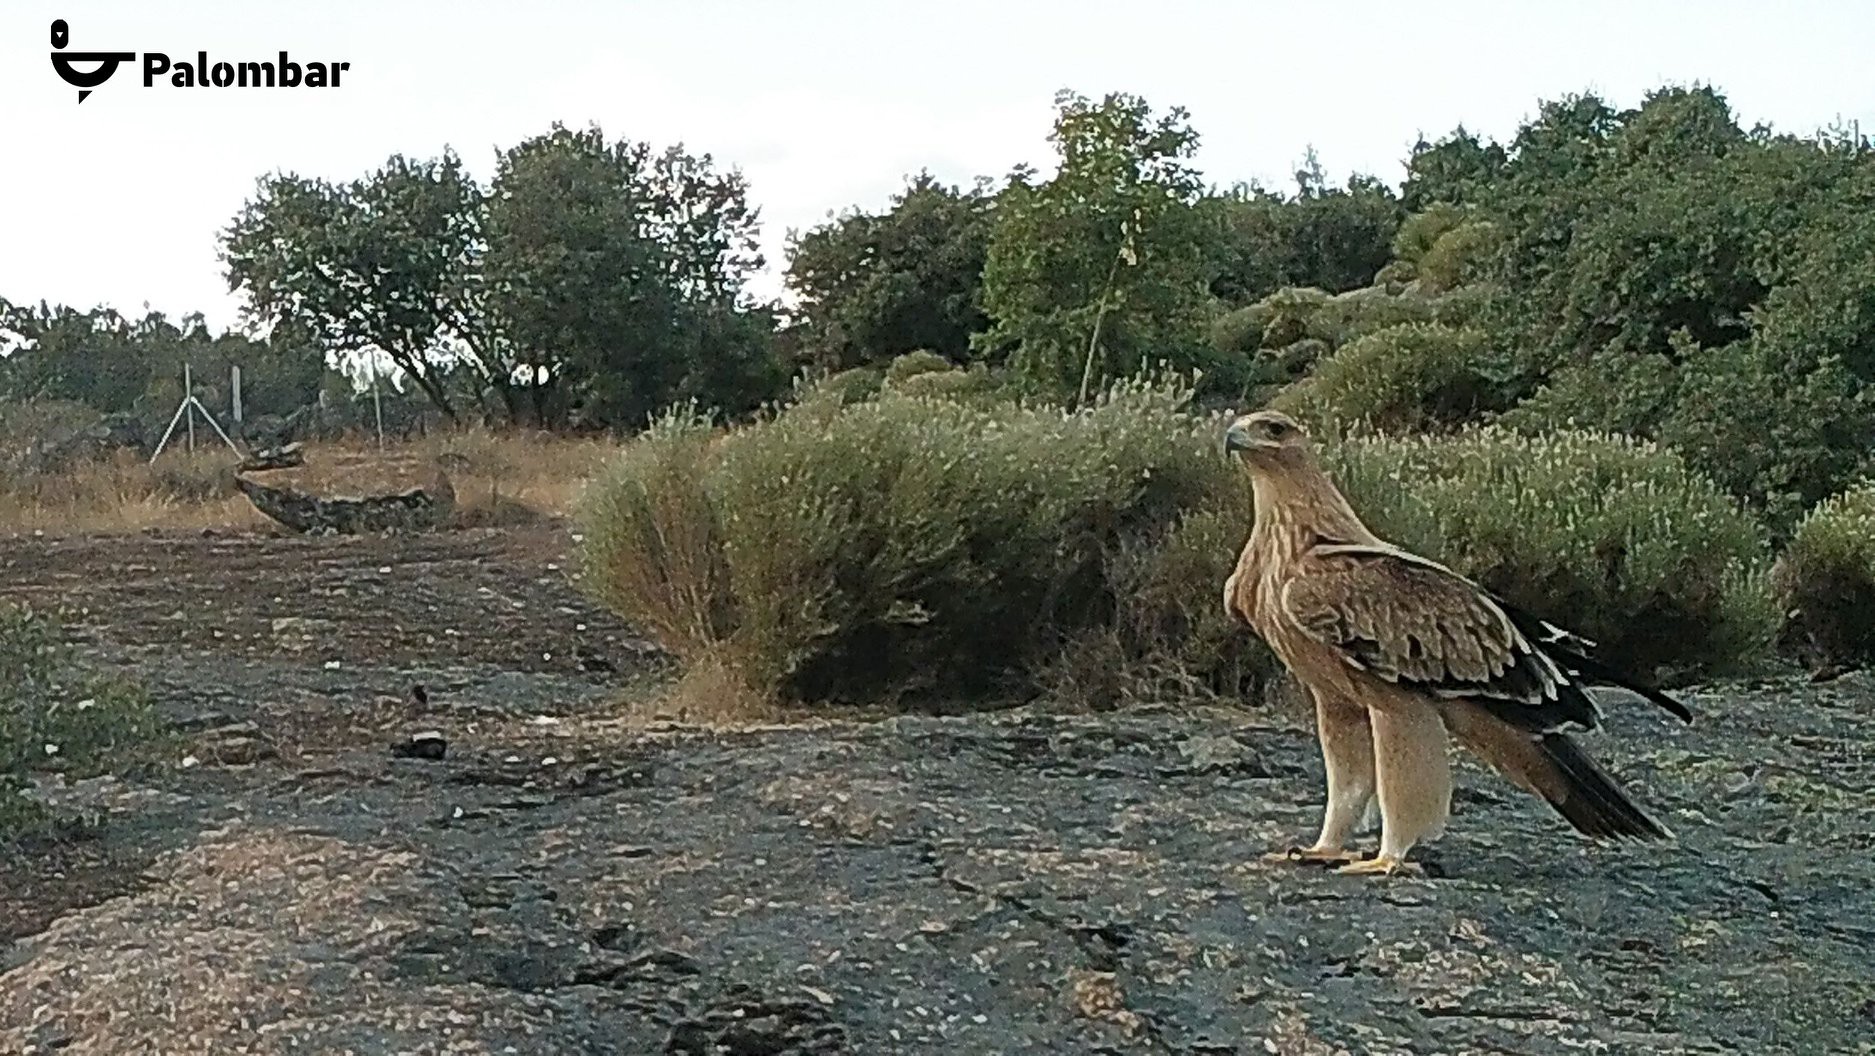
<point>1019,882</point>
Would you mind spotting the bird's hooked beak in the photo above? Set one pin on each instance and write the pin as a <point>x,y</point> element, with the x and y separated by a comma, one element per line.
<point>1237,438</point>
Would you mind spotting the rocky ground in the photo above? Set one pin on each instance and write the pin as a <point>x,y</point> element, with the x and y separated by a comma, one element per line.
<point>563,882</point>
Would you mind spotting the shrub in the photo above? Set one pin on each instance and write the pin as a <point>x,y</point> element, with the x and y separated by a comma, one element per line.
<point>28,422</point>
<point>913,364</point>
<point>1350,316</point>
<point>905,545</point>
<point>1293,361</point>
<point>55,716</point>
<point>1781,430</point>
<point>203,475</point>
<point>1288,315</point>
<point>1293,315</point>
<point>1440,249</point>
<point>1421,231</point>
<point>1611,537</point>
<point>1410,377</point>
<point>835,390</point>
<point>1168,636</point>
<point>919,547</point>
<point>1825,582</point>
<point>1775,427</point>
<point>1459,257</point>
<point>1239,332</point>
<point>974,385</point>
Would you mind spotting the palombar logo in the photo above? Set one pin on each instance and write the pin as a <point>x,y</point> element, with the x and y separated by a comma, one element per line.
<point>284,73</point>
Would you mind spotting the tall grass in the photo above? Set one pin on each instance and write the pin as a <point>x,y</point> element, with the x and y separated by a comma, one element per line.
<point>498,478</point>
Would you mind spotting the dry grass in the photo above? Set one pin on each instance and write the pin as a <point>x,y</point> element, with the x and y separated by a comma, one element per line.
<point>499,478</point>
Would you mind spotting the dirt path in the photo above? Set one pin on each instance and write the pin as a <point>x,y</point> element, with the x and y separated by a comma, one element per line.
<point>1021,883</point>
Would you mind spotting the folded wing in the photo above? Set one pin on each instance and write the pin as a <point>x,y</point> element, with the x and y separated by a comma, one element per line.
<point>1419,625</point>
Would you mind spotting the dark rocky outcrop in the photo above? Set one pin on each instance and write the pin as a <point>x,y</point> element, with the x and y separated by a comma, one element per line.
<point>415,510</point>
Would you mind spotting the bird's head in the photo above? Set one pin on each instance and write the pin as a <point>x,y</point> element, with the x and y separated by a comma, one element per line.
<point>1266,439</point>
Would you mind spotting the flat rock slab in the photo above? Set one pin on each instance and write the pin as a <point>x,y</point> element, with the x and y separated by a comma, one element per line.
<point>997,884</point>
<point>1020,883</point>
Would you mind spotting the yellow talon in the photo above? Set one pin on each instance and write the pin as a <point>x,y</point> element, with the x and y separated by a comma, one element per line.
<point>1382,865</point>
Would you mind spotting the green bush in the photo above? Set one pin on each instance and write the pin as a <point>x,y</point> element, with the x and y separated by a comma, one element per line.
<point>1421,231</point>
<point>1293,361</point>
<point>913,364</point>
<point>1410,377</point>
<point>918,547</point>
<point>1776,427</point>
<point>1239,332</point>
<point>974,385</point>
<point>1348,317</point>
<point>1825,582</point>
<point>1614,538</point>
<point>55,716</point>
<point>1441,249</point>
<point>1459,257</point>
<point>1296,314</point>
<point>905,544</point>
<point>835,390</point>
<point>1288,315</point>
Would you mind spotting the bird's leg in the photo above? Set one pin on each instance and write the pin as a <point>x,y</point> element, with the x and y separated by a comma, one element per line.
<point>1413,771</point>
<point>1348,757</point>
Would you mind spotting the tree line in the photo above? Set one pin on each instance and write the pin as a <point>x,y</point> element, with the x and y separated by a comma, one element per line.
<point>1660,271</point>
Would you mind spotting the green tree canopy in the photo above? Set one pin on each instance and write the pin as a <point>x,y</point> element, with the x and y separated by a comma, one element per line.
<point>379,264</point>
<point>873,286</point>
<point>605,260</point>
<point>1103,268</point>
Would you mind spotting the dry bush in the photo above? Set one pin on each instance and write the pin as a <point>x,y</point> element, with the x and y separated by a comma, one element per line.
<point>897,547</point>
<point>122,493</point>
<point>1825,582</point>
<point>1168,637</point>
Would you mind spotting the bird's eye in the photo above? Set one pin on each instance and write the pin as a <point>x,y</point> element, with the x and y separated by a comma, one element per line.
<point>1278,430</point>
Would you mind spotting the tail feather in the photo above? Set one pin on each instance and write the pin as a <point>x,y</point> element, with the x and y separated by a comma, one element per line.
<point>1590,799</point>
<point>1552,766</point>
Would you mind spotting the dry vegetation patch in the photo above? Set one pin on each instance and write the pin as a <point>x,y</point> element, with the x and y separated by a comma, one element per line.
<point>499,477</point>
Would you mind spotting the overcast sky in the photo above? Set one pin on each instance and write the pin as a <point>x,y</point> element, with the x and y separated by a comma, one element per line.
<point>823,104</point>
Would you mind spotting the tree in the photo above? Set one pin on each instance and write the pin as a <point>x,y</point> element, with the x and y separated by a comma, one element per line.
<point>86,357</point>
<point>601,256</point>
<point>1457,170</point>
<point>1103,268</point>
<point>872,286</point>
<point>1330,238</point>
<point>116,365</point>
<point>378,265</point>
<point>1340,238</point>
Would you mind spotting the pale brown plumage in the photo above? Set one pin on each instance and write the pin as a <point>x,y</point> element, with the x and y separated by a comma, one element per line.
<point>1401,653</point>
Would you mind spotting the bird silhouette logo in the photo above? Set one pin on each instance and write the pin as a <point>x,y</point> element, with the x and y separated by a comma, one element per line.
<point>84,81</point>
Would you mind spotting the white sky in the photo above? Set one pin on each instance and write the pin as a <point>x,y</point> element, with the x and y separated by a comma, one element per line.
<point>822,103</point>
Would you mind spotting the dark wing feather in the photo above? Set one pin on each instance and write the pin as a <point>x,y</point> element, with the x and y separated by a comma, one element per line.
<point>1422,626</point>
<point>1571,653</point>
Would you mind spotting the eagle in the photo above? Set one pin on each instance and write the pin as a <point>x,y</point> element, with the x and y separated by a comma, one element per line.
<point>1401,656</point>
